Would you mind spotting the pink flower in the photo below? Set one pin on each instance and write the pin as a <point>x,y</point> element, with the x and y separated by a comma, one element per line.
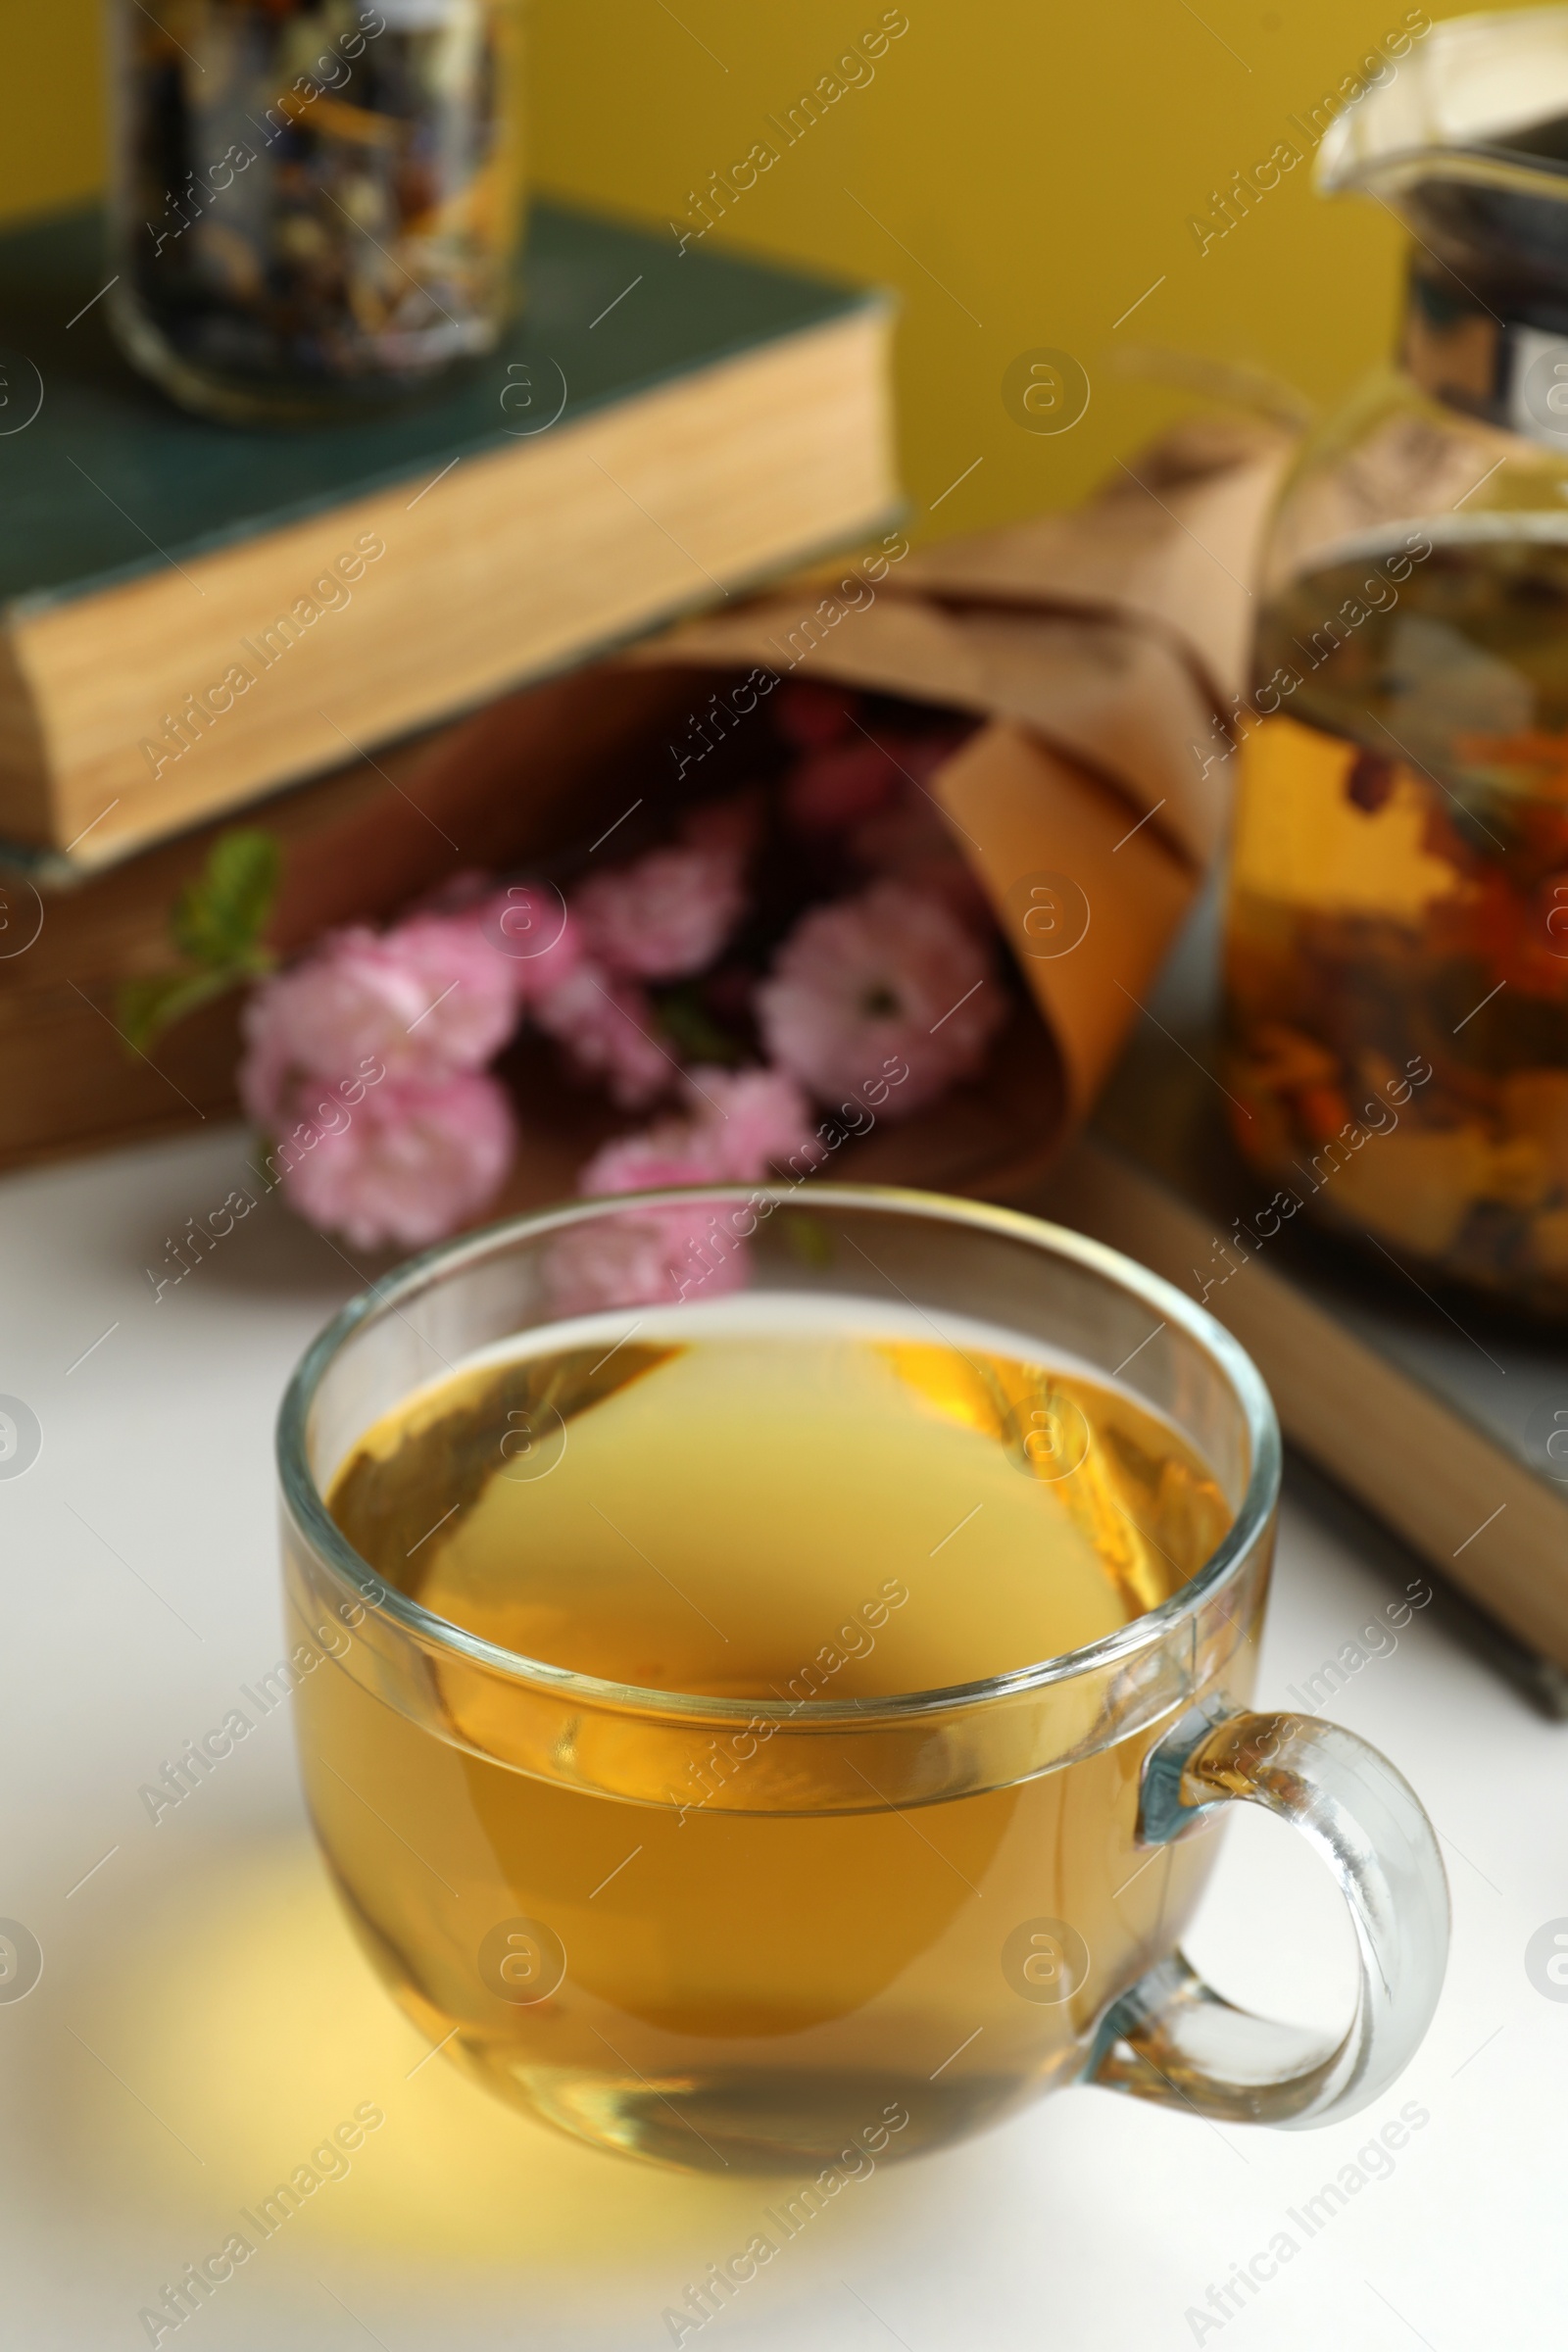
<point>607,1026</point>
<point>528,923</point>
<point>752,1120</point>
<point>668,914</point>
<point>470,1004</point>
<point>414,1162</point>
<point>890,977</point>
<point>676,1151</point>
<point>427,1001</point>
<point>740,1122</point>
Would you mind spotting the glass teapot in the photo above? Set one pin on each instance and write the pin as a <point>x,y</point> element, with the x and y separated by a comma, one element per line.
<point>1398,936</point>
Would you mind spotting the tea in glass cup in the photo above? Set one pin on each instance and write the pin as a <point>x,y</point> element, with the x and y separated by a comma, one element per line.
<point>771,1716</point>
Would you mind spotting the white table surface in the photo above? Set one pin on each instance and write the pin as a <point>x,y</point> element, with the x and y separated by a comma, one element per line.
<point>202,2020</point>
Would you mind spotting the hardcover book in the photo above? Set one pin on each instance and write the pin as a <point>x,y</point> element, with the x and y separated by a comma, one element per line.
<point>192,614</point>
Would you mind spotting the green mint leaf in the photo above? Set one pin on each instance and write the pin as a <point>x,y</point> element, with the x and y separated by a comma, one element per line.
<point>219,918</point>
<point>149,1006</point>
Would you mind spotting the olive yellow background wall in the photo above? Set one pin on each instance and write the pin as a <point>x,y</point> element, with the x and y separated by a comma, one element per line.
<point>1022,170</point>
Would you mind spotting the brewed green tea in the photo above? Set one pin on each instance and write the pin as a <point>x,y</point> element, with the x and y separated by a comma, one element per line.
<point>800,1500</point>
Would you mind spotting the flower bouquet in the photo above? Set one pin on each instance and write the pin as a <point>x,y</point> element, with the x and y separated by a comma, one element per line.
<point>789,963</point>
<point>895,919</point>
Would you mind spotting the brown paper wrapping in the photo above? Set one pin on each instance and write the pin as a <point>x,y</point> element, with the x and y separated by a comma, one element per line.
<point>1105,647</point>
<point>1021,804</point>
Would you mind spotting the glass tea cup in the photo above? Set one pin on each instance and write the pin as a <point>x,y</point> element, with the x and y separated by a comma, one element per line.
<point>771,1932</point>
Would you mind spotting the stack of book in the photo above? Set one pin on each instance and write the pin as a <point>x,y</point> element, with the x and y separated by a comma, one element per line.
<point>196,619</point>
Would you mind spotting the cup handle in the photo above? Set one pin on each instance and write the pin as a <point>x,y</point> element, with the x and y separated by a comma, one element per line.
<point>1172,2037</point>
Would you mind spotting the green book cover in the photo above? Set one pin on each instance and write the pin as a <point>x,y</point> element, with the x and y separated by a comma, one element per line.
<point>109,479</point>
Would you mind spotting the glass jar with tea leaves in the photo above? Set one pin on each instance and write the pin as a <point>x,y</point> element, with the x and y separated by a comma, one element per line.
<point>1398,949</point>
<point>316,202</point>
